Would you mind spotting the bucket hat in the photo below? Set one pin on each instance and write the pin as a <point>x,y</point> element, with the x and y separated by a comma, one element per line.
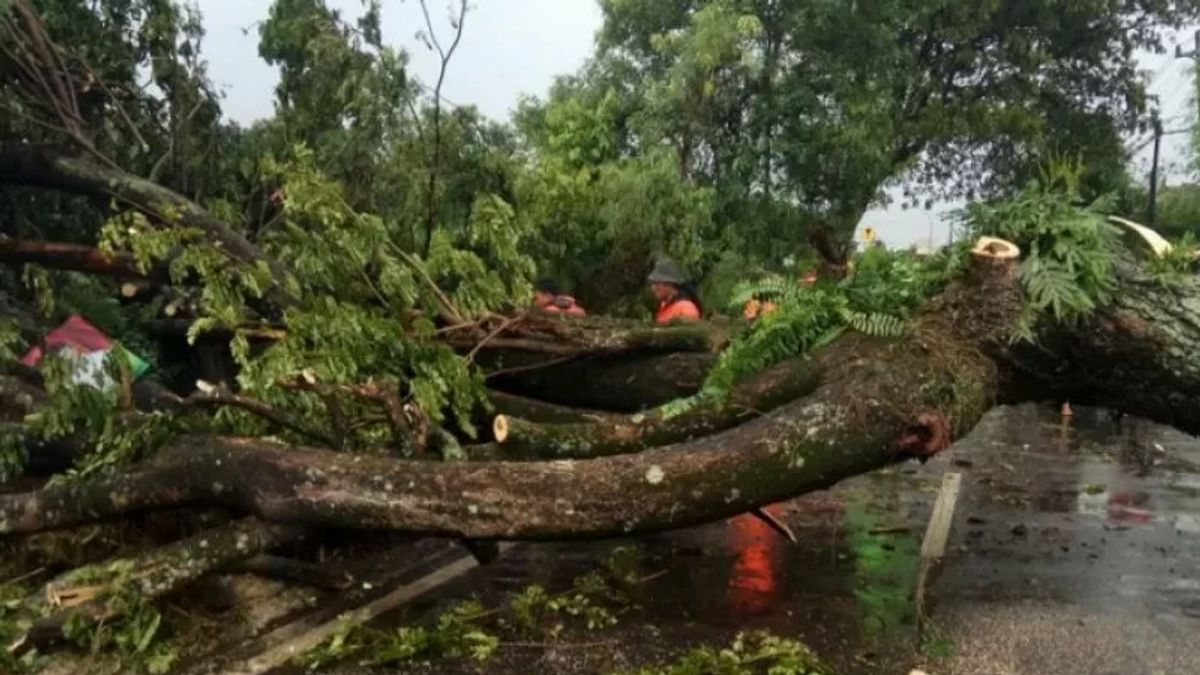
<point>666,271</point>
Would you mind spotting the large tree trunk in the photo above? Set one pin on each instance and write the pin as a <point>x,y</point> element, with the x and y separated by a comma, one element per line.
<point>1140,355</point>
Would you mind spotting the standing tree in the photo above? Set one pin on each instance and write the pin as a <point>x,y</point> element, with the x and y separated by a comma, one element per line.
<point>799,114</point>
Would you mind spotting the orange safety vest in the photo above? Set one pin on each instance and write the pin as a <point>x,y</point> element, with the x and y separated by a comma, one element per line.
<point>677,308</point>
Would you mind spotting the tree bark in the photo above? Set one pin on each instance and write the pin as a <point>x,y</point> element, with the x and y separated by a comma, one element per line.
<point>521,439</point>
<point>616,383</point>
<point>540,411</point>
<point>1139,354</point>
<point>878,401</point>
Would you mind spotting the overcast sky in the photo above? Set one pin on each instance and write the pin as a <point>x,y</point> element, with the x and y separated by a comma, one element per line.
<point>515,47</point>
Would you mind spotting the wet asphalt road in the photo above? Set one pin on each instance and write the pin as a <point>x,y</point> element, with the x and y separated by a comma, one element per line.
<point>1075,549</point>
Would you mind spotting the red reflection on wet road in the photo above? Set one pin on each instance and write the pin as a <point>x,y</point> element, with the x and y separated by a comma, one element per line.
<point>753,580</point>
<point>1128,507</point>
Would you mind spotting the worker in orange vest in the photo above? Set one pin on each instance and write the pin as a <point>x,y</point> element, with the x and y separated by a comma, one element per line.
<point>677,300</point>
<point>547,298</point>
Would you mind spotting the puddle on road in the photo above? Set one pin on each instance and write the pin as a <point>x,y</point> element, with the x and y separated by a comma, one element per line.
<point>1098,518</point>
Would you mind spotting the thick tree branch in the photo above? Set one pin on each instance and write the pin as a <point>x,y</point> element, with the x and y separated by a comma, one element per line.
<point>62,256</point>
<point>520,439</point>
<point>37,166</point>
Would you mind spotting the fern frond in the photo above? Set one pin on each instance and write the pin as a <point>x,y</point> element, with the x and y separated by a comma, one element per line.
<point>876,324</point>
<point>777,287</point>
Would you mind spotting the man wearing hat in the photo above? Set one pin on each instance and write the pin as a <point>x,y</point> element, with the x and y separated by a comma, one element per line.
<point>677,301</point>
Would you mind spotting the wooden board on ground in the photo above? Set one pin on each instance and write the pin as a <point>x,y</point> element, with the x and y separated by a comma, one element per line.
<point>371,575</point>
<point>290,643</point>
<point>938,531</point>
<point>933,547</point>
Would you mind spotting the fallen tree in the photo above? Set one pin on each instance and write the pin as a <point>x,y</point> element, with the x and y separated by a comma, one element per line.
<point>358,369</point>
<point>865,413</point>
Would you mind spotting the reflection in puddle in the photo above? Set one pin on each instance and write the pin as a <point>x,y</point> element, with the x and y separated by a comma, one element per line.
<point>885,570</point>
<point>753,580</point>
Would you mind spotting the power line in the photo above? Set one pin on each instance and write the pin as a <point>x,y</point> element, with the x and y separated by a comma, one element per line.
<point>1173,132</point>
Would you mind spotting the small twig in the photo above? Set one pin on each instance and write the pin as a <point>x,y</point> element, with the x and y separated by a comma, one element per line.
<point>560,645</point>
<point>418,264</point>
<point>775,524</point>
<point>192,617</point>
<point>219,396</point>
<point>531,366</point>
<point>457,327</point>
<point>505,325</point>
<point>395,412</point>
<point>651,577</point>
<point>23,577</point>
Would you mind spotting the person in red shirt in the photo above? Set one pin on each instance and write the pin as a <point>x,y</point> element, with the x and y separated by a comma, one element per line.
<point>547,298</point>
<point>676,299</point>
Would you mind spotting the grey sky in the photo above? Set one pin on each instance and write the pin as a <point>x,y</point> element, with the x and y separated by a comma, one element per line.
<point>509,48</point>
<point>515,47</point>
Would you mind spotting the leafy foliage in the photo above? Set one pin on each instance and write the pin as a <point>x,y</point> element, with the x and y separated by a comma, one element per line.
<point>1069,249</point>
<point>10,340</point>
<point>15,619</point>
<point>797,114</point>
<point>136,637</point>
<point>748,654</point>
<point>455,634</point>
<point>93,418</point>
<point>12,455</point>
<point>1176,263</point>
<point>876,299</point>
<point>469,630</point>
<point>534,604</point>
<point>602,226</point>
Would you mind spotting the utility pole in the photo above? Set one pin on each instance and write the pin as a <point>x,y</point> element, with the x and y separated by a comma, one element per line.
<point>1158,133</point>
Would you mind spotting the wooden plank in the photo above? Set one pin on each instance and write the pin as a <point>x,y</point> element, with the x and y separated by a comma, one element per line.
<point>938,531</point>
<point>281,654</point>
<point>933,547</point>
